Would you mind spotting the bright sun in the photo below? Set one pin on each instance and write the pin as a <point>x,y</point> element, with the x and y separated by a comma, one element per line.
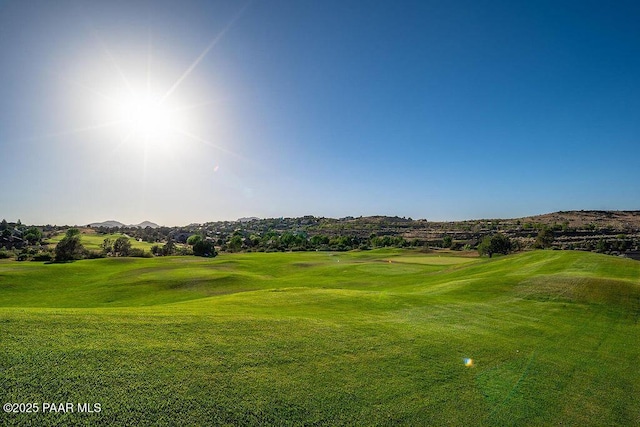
<point>146,117</point>
<point>142,104</point>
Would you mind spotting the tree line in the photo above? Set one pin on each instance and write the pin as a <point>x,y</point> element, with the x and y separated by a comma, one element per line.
<point>199,244</point>
<point>24,242</point>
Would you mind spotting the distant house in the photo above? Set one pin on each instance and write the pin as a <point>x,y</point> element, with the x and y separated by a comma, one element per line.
<point>11,239</point>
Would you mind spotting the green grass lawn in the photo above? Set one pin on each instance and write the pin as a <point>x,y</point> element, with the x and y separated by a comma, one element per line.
<point>359,338</point>
<point>92,241</point>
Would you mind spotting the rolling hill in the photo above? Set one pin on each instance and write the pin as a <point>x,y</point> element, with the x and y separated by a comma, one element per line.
<point>360,338</point>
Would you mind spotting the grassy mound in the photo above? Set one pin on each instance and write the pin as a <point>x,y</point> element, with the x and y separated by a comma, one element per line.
<point>365,338</point>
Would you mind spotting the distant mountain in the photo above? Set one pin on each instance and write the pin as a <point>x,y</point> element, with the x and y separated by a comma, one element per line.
<point>118,224</point>
<point>108,224</point>
<point>145,224</point>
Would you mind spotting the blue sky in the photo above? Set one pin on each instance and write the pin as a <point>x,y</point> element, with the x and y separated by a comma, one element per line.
<point>441,110</point>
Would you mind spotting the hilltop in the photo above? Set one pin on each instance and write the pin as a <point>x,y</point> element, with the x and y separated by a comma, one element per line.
<point>623,221</point>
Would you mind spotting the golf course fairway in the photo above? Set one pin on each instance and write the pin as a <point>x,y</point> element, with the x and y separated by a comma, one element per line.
<point>383,337</point>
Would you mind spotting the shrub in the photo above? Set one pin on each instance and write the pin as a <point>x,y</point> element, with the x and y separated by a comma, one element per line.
<point>139,253</point>
<point>43,256</point>
<point>95,254</point>
<point>204,248</point>
<point>183,250</point>
<point>544,239</point>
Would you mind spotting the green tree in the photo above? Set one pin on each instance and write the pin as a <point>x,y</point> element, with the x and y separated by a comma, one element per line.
<point>204,248</point>
<point>501,244</point>
<point>169,248</point>
<point>447,241</point>
<point>70,247</point>
<point>235,244</point>
<point>33,235</point>
<point>193,239</point>
<point>544,239</point>
<point>122,246</point>
<point>484,247</point>
<point>107,246</point>
<point>254,240</point>
<point>72,232</point>
<point>287,239</point>
<point>319,239</point>
<point>496,244</point>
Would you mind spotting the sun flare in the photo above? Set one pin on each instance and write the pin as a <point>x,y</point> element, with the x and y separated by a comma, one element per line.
<point>147,117</point>
<point>138,102</point>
